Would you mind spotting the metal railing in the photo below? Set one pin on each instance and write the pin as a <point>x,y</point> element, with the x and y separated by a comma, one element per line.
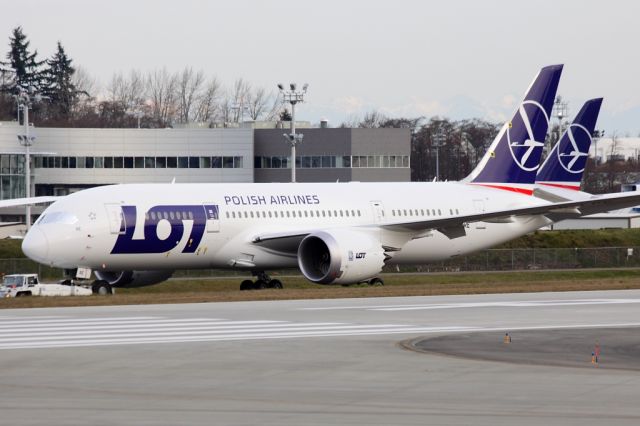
<point>486,260</point>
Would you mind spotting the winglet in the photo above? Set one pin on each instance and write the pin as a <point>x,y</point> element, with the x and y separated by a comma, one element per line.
<point>513,158</point>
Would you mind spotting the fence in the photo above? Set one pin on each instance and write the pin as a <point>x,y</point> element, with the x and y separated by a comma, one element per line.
<point>486,260</point>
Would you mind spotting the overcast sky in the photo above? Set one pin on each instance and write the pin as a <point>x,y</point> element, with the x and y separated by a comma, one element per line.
<point>452,58</point>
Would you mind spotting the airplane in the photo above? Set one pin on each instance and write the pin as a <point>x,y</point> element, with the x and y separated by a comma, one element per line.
<point>133,235</point>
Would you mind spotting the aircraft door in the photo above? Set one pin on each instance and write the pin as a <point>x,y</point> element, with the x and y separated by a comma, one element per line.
<point>116,218</point>
<point>378,211</point>
<point>213,217</point>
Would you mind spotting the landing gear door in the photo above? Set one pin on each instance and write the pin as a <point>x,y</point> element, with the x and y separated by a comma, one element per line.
<point>378,211</point>
<point>116,219</point>
<point>213,217</point>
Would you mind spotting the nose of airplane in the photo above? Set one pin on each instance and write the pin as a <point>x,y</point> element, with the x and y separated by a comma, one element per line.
<point>35,245</point>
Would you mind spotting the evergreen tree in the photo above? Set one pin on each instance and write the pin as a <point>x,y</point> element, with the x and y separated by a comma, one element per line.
<point>22,64</point>
<point>58,83</point>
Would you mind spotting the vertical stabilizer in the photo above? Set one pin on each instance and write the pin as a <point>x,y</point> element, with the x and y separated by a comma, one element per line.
<point>513,159</point>
<point>564,166</point>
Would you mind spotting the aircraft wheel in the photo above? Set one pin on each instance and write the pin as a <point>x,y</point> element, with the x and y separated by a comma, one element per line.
<point>101,288</point>
<point>260,284</point>
<point>376,281</point>
<point>275,284</point>
<point>246,285</point>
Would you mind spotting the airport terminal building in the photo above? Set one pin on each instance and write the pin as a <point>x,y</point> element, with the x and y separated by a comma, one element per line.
<point>65,160</point>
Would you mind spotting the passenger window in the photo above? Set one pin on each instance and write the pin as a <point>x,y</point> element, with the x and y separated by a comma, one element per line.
<point>358,213</point>
<point>153,215</point>
<point>227,215</point>
<point>172,215</point>
<point>439,212</point>
<point>233,215</point>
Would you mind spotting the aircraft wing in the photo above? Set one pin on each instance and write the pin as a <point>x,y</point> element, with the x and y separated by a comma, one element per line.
<point>453,227</point>
<point>555,211</point>
<point>16,202</point>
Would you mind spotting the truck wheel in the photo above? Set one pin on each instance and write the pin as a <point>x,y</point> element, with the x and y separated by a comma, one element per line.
<point>101,288</point>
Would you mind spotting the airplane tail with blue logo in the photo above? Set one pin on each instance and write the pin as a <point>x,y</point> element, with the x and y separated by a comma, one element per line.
<point>513,159</point>
<point>564,166</point>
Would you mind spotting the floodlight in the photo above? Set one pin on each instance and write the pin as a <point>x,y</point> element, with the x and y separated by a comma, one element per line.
<point>280,86</point>
<point>306,85</point>
<point>293,86</point>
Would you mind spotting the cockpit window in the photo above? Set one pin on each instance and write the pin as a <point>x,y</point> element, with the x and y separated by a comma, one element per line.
<point>65,218</point>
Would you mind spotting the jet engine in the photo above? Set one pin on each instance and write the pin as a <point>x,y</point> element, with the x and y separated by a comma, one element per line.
<point>340,257</point>
<point>133,278</point>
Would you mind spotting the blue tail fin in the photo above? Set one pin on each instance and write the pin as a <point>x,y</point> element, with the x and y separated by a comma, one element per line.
<point>565,163</point>
<point>513,158</point>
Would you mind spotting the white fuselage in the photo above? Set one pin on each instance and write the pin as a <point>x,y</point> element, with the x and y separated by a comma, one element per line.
<point>88,228</point>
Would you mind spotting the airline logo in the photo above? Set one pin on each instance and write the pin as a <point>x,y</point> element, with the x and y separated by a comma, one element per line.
<point>526,153</point>
<point>573,157</point>
<point>164,228</point>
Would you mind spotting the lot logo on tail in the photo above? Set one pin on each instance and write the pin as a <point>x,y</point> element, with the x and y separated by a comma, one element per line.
<point>522,151</point>
<point>574,157</point>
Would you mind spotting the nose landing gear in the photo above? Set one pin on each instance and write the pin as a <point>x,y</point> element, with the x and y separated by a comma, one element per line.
<point>262,281</point>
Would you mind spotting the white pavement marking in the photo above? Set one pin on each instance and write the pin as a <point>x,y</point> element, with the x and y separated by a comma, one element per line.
<point>82,332</point>
<point>464,305</point>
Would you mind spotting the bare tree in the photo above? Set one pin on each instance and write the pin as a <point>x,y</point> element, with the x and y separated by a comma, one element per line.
<point>189,86</point>
<point>162,91</point>
<point>128,91</point>
<point>277,106</point>
<point>239,97</point>
<point>207,106</point>
<point>84,82</point>
<point>257,100</point>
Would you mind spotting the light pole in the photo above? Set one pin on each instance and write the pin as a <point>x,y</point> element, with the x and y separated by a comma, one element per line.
<point>597,134</point>
<point>25,100</point>
<point>560,109</point>
<point>293,96</point>
<point>438,139</point>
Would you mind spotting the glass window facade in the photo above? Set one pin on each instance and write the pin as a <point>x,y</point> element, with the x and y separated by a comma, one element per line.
<point>334,161</point>
<point>14,164</point>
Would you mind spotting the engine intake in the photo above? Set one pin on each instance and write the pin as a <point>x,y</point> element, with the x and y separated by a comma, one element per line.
<point>340,257</point>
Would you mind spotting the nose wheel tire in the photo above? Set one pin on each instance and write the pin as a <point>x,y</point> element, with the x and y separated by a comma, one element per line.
<point>376,282</point>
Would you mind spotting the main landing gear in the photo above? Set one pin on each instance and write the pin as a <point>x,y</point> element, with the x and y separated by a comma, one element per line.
<point>101,287</point>
<point>262,281</point>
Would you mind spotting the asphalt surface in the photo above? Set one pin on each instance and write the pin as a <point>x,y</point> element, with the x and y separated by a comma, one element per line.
<point>561,348</point>
<point>323,362</point>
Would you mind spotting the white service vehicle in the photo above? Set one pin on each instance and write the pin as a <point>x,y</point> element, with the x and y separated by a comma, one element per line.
<point>18,285</point>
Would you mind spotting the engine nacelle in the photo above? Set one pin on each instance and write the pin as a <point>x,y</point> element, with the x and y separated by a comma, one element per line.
<point>340,257</point>
<point>133,278</point>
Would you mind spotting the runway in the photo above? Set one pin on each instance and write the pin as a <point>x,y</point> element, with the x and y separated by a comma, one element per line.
<point>321,362</point>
